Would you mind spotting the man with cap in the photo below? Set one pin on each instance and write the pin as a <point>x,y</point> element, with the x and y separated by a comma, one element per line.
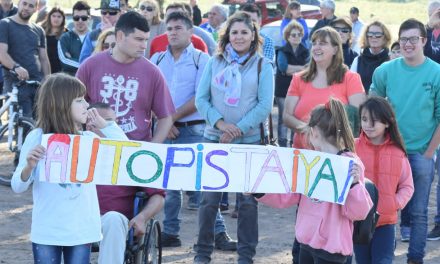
<point>110,13</point>
<point>358,25</point>
<point>328,15</point>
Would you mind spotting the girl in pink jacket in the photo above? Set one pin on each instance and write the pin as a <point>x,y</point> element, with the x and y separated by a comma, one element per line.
<point>323,229</point>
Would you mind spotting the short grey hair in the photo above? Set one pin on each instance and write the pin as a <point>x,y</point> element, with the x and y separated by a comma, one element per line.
<point>432,6</point>
<point>223,10</point>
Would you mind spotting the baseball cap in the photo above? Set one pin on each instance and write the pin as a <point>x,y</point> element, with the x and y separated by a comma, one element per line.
<point>330,4</point>
<point>110,4</point>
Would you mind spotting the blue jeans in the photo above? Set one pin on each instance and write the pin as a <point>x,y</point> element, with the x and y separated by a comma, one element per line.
<point>437,165</point>
<point>417,208</point>
<point>247,227</point>
<point>79,254</point>
<point>173,199</point>
<point>283,141</point>
<point>381,248</point>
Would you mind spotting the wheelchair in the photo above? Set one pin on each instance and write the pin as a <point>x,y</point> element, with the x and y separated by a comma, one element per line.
<point>148,249</point>
<point>145,250</point>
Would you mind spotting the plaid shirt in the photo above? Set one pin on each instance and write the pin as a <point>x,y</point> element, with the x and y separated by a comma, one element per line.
<point>268,48</point>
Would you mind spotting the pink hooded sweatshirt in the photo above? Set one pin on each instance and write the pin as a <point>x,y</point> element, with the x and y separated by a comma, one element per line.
<point>324,225</point>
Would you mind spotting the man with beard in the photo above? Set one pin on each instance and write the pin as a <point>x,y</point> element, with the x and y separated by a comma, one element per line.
<point>23,50</point>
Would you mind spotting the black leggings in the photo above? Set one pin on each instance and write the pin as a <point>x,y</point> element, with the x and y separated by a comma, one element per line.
<point>307,257</point>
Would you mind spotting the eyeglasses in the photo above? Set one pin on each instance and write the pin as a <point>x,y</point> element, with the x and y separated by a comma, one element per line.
<point>343,30</point>
<point>148,8</point>
<point>111,13</point>
<point>106,46</point>
<point>412,40</point>
<point>83,18</point>
<point>371,34</point>
<point>296,35</point>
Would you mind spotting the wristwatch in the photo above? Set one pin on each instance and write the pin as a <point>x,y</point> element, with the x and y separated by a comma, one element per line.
<point>15,67</point>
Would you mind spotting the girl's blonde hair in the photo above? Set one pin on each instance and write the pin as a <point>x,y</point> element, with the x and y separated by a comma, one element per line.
<point>337,69</point>
<point>101,38</point>
<point>332,121</point>
<point>54,103</point>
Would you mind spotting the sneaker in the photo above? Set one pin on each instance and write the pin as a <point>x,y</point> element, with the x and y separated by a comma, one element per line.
<point>198,260</point>
<point>224,208</point>
<point>434,234</point>
<point>234,214</point>
<point>168,240</point>
<point>224,242</point>
<point>192,205</point>
<point>405,233</point>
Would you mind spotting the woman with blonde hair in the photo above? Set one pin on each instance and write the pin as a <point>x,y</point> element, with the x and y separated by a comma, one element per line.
<point>293,13</point>
<point>375,41</point>
<point>106,40</point>
<point>344,27</point>
<point>150,10</point>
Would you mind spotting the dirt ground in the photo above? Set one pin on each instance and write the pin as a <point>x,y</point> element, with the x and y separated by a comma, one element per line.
<point>276,228</point>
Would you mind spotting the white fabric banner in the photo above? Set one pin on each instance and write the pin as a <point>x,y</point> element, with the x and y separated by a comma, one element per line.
<point>196,167</point>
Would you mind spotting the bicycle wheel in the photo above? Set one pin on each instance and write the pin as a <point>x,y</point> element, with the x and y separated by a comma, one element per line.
<point>10,151</point>
<point>151,252</point>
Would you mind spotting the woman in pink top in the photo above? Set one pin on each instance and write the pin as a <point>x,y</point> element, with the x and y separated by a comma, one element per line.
<point>326,76</point>
<point>323,229</point>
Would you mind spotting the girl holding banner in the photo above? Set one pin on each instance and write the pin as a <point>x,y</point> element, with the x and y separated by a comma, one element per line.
<point>325,230</point>
<point>235,96</point>
<point>65,217</point>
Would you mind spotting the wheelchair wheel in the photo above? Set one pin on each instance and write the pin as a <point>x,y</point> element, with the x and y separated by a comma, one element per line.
<point>151,251</point>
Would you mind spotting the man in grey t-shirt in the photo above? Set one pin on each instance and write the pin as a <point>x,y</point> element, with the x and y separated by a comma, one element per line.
<point>23,51</point>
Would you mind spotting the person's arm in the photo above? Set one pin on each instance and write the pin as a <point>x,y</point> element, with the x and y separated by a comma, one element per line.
<point>262,109</point>
<point>282,62</point>
<point>64,55</point>
<point>162,128</point>
<point>354,64</point>
<point>289,118</point>
<point>405,187</point>
<point>357,99</point>
<point>139,222</point>
<point>86,49</point>
<point>378,85</point>
<point>433,144</point>
<point>291,69</point>
<point>44,61</point>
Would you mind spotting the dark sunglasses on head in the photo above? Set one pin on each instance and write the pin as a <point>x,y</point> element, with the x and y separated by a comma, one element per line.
<point>148,8</point>
<point>83,18</point>
<point>343,30</point>
<point>374,34</point>
<point>106,12</point>
<point>108,45</point>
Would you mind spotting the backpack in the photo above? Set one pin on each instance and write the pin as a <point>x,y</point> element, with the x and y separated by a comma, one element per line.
<point>195,53</point>
<point>364,229</point>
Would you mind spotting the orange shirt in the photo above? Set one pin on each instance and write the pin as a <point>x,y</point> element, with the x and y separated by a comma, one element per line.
<point>310,97</point>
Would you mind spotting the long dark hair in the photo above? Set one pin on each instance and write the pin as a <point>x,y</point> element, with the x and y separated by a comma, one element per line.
<point>332,120</point>
<point>380,110</point>
<point>47,25</point>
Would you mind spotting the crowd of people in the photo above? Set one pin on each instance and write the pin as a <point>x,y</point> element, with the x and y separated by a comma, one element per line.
<point>158,74</point>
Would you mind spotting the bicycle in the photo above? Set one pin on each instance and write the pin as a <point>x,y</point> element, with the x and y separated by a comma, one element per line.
<point>14,131</point>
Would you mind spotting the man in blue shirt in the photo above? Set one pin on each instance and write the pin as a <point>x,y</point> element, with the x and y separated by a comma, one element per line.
<point>182,66</point>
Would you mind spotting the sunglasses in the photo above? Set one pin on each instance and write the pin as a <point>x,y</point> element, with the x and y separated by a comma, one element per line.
<point>412,40</point>
<point>296,35</point>
<point>106,46</point>
<point>343,30</point>
<point>83,18</point>
<point>111,13</point>
<point>148,8</point>
<point>374,34</point>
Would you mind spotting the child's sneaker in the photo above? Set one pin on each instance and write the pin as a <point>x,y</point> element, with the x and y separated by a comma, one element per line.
<point>405,233</point>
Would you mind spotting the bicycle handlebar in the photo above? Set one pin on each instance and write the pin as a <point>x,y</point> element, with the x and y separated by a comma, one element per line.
<point>21,82</point>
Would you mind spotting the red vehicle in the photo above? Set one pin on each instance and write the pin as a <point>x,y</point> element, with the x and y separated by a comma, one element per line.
<point>272,10</point>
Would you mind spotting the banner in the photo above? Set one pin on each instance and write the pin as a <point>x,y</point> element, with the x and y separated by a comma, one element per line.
<point>196,167</point>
